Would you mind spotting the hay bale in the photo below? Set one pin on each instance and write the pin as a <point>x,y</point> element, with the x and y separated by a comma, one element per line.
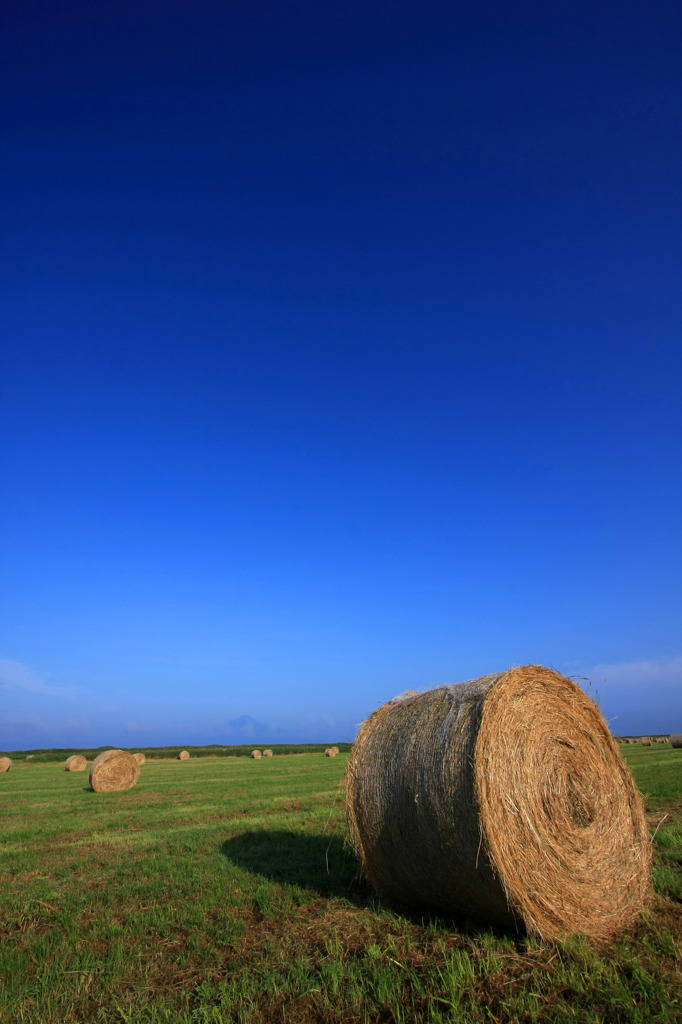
<point>661,739</point>
<point>114,770</point>
<point>183,755</point>
<point>267,753</point>
<point>256,755</point>
<point>330,752</point>
<point>503,798</point>
<point>29,757</point>
<point>75,763</point>
<point>140,758</point>
<point>5,764</point>
<point>676,740</point>
<point>645,741</point>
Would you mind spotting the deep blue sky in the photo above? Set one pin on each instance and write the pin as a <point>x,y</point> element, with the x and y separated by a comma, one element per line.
<point>341,355</point>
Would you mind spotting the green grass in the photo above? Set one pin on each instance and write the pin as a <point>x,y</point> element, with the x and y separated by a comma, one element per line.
<point>221,889</point>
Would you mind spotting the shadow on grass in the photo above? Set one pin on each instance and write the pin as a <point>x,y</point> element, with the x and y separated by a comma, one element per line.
<point>326,864</point>
<point>321,862</point>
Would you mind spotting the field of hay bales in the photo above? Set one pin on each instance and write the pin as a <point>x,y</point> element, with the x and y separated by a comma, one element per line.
<point>222,890</point>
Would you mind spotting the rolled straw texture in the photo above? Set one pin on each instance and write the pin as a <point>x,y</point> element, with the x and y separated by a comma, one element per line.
<point>676,740</point>
<point>5,764</point>
<point>183,755</point>
<point>113,770</point>
<point>75,763</point>
<point>504,798</point>
<point>267,753</point>
<point>256,755</point>
<point>140,758</point>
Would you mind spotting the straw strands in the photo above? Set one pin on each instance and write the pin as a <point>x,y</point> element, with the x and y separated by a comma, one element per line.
<point>5,764</point>
<point>504,798</point>
<point>75,763</point>
<point>183,755</point>
<point>140,758</point>
<point>114,770</point>
<point>256,755</point>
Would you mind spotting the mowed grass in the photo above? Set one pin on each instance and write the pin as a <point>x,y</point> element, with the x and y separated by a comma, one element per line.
<point>222,890</point>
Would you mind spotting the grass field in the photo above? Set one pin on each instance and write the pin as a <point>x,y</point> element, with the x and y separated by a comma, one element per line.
<point>220,889</point>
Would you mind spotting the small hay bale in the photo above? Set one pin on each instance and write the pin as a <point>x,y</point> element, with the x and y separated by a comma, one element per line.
<point>75,763</point>
<point>5,764</point>
<point>661,739</point>
<point>29,757</point>
<point>676,740</point>
<point>140,758</point>
<point>330,752</point>
<point>267,753</point>
<point>335,749</point>
<point>183,755</point>
<point>645,741</point>
<point>256,755</point>
<point>114,770</point>
<point>504,798</point>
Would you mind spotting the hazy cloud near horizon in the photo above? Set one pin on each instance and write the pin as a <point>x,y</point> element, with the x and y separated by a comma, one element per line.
<point>37,713</point>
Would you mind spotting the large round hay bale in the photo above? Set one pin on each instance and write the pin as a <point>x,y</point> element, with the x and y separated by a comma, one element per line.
<point>75,763</point>
<point>503,798</point>
<point>256,755</point>
<point>5,764</point>
<point>113,770</point>
<point>267,753</point>
<point>645,741</point>
<point>140,758</point>
<point>330,752</point>
<point>676,740</point>
<point>183,755</point>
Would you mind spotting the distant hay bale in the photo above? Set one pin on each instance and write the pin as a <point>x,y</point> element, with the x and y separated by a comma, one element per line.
<point>330,752</point>
<point>661,739</point>
<point>335,749</point>
<point>183,755</point>
<point>256,755</point>
<point>267,753</point>
<point>505,799</point>
<point>676,740</point>
<point>114,770</point>
<point>75,763</point>
<point>645,741</point>
<point>140,758</point>
<point>29,757</point>
<point>5,764</point>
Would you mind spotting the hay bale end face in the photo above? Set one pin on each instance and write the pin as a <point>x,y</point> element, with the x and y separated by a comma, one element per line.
<point>256,755</point>
<point>676,740</point>
<point>505,799</point>
<point>140,758</point>
<point>114,770</point>
<point>5,764</point>
<point>645,741</point>
<point>75,763</point>
<point>267,753</point>
<point>330,752</point>
<point>183,755</point>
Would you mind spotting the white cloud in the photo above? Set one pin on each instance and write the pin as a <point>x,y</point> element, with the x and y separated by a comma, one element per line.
<point>15,675</point>
<point>658,673</point>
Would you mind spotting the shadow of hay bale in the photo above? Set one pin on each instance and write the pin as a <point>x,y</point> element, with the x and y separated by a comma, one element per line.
<point>320,862</point>
<point>327,865</point>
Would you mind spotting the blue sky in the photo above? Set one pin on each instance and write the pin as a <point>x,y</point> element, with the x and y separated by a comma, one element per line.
<point>341,356</point>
